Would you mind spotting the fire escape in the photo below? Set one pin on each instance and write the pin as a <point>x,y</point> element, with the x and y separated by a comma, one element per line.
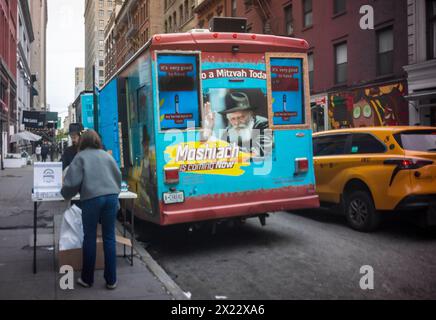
<point>263,8</point>
<point>132,31</point>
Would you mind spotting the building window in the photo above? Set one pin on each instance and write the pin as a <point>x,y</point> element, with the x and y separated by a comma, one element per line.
<point>101,23</point>
<point>341,59</point>
<point>234,8</point>
<point>288,21</point>
<point>182,18</point>
<point>339,6</point>
<point>101,13</point>
<point>307,13</point>
<point>248,4</point>
<point>100,3</point>
<point>101,63</point>
<point>219,11</point>
<point>385,54</point>
<point>187,15</point>
<point>2,91</point>
<point>311,68</point>
<point>175,20</point>
<point>192,8</point>
<point>431,29</point>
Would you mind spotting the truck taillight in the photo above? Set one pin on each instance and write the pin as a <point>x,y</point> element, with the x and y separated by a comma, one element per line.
<point>301,165</point>
<point>171,175</point>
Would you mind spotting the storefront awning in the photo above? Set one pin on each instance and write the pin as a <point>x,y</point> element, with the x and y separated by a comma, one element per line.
<point>421,95</point>
<point>25,135</point>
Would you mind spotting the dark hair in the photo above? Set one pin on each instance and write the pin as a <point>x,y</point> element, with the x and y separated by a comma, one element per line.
<point>90,140</point>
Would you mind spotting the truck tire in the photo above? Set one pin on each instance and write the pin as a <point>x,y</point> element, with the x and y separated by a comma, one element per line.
<point>360,211</point>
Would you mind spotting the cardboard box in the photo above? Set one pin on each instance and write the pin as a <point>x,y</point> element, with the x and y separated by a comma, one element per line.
<point>73,257</point>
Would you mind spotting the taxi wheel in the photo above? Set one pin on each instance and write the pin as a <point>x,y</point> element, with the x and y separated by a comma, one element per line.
<point>360,211</point>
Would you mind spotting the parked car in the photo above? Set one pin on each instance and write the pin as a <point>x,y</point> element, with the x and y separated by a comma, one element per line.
<point>368,171</point>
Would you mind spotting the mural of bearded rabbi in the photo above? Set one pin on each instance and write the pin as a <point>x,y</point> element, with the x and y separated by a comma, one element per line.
<point>246,129</point>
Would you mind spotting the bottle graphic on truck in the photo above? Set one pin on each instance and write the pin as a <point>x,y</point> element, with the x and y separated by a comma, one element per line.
<point>284,103</point>
<point>177,101</point>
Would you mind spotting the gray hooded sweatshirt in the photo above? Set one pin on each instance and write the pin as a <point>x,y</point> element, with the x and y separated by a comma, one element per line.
<point>93,173</point>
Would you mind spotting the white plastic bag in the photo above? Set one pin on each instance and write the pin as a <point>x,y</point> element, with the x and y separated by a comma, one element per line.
<point>71,236</point>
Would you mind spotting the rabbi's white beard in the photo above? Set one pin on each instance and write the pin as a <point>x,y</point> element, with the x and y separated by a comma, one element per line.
<point>243,131</point>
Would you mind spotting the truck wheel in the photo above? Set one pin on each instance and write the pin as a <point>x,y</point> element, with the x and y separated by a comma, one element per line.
<point>360,211</point>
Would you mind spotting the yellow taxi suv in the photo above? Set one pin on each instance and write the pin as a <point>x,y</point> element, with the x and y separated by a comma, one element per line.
<point>368,171</point>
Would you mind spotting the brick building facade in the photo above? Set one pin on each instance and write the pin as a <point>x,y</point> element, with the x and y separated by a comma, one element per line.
<point>358,73</point>
<point>136,22</point>
<point>8,70</point>
<point>207,9</point>
<point>421,69</point>
<point>179,15</point>
<point>110,44</point>
<point>38,54</point>
<point>357,76</point>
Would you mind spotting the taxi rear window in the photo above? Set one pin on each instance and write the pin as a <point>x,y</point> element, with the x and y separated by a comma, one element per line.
<point>419,140</point>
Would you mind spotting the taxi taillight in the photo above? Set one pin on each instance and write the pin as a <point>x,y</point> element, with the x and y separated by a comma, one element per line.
<point>408,164</point>
<point>405,164</point>
<point>301,165</point>
<point>172,175</point>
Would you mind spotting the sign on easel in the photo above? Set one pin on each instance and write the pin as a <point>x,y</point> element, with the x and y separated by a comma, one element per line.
<point>47,180</point>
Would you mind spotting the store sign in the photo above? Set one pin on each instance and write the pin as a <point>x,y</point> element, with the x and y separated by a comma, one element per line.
<point>33,119</point>
<point>321,101</point>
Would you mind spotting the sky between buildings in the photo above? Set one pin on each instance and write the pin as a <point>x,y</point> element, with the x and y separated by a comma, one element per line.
<point>65,51</point>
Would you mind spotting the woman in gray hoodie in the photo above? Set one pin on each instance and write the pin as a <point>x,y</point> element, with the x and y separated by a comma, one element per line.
<point>96,176</point>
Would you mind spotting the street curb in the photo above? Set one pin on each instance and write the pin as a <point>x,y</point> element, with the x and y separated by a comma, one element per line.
<point>172,287</point>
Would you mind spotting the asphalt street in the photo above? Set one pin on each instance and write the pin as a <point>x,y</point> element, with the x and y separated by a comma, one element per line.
<point>309,255</point>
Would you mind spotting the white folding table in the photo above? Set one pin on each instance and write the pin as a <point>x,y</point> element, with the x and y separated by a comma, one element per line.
<point>37,201</point>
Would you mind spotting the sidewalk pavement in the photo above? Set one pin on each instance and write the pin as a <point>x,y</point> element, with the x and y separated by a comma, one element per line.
<point>144,281</point>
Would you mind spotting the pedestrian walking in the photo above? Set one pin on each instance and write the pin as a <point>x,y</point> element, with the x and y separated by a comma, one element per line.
<point>95,175</point>
<point>52,152</point>
<point>70,152</point>
<point>44,152</point>
<point>38,152</point>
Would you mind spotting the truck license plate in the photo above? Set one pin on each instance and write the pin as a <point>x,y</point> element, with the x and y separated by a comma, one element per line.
<point>174,197</point>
